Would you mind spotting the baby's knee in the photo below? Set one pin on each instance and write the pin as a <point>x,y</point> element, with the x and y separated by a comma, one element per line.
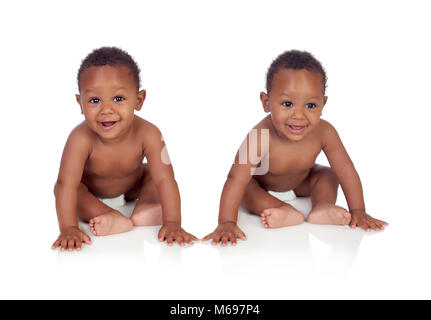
<point>328,174</point>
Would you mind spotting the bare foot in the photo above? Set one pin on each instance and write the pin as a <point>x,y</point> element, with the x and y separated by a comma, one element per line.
<point>110,223</point>
<point>326,213</point>
<point>147,214</point>
<point>281,217</point>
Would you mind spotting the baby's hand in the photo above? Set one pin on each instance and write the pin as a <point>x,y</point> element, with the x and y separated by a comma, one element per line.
<point>172,231</point>
<point>366,222</point>
<point>71,238</point>
<point>225,232</point>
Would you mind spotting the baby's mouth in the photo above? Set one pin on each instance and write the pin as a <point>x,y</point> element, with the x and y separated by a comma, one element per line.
<point>296,129</point>
<point>107,124</point>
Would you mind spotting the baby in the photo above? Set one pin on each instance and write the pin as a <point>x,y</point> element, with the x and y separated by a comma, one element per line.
<point>103,158</point>
<point>288,142</point>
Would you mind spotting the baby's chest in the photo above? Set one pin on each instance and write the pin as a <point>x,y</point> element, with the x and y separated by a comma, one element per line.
<point>111,164</point>
<point>292,160</point>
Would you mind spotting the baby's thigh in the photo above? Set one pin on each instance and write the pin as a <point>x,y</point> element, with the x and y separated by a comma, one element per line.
<point>88,205</point>
<point>256,199</point>
<point>146,190</point>
<point>320,179</point>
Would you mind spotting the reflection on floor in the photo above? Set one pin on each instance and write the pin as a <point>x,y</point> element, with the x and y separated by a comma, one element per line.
<point>305,248</point>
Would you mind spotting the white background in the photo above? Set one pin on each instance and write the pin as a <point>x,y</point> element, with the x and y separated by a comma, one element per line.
<point>203,65</point>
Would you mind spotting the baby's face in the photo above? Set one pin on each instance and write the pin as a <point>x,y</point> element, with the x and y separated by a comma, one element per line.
<point>295,101</point>
<point>108,98</point>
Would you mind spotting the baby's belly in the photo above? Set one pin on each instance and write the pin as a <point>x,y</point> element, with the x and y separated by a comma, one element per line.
<point>280,183</point>
<point>111,187</point>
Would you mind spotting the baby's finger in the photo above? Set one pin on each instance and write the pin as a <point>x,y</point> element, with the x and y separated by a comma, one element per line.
<point>379,226</point>
<point>241,235</point>
<point>210,236</point>
<point>63,244</point>
<point>170,240</point>
<point>189,238</point>
<point>56,244</point>
<point>85,238</point>
<point>233,240</point>
<point>162,234</point>
<point>224,240</point>
<point>78,244</point>
<point>71,244</point>
<point>193,237</point>
<point>353,223</point>
<point>363,225</point>
<point>382,222</point>
<point>372,224</point>
<point>216,239</point>
<point>180,240</point>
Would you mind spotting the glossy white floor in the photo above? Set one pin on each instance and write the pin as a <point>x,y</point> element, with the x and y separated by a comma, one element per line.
<point>305,261</point>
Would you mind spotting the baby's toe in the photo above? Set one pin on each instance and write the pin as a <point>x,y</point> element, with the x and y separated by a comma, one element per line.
<point>96,219</point>
<point>265,213</point>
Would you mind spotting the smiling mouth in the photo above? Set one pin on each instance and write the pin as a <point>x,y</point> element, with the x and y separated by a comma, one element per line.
<point>296,129</point>
<point>107,124</point>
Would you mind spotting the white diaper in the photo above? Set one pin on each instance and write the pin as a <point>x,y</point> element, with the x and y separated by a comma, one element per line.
<point>114,202</point>
<point>284,196</point>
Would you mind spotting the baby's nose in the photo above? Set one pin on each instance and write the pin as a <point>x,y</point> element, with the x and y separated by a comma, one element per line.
<point>107,108</point>
<point>297,113</point>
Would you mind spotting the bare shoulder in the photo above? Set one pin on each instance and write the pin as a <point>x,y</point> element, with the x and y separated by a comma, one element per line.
<point>264,127</point>
<point>78,148</point>
<point>265,123</point>
<point>147,131</point>
<point>326,126</point>
<point>258,137</point>
<point>327,132</point>
<point>81,135</point>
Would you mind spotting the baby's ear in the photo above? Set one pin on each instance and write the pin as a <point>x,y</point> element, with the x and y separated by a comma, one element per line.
<point>325,99</point>
<point>141,98</point>
<point>78,99</point>
<point>265,101</point>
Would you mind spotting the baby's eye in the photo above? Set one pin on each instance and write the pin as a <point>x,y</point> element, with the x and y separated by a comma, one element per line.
<point>94,100</point>
<point>287,104</point>
<point>310,105</point>
<point>118,99</point>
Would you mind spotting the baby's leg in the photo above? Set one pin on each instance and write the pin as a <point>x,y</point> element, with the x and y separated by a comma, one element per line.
<point>103,220</point>
<point>322,186</point>
<point>148,210</point>
<point>274,212</point>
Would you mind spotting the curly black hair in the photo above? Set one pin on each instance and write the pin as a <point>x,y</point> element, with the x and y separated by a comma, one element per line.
<point>111,56</point>
<point>296,60</point>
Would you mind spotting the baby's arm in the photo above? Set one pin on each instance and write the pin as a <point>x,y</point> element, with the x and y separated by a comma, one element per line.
<point>238,178</point>
<point>75,154</point>
<point>162,175</point>
<point>349,179</point>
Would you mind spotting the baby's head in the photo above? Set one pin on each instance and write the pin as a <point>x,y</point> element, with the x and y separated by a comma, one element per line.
<point>295,96</point>
<point>108,82</point>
